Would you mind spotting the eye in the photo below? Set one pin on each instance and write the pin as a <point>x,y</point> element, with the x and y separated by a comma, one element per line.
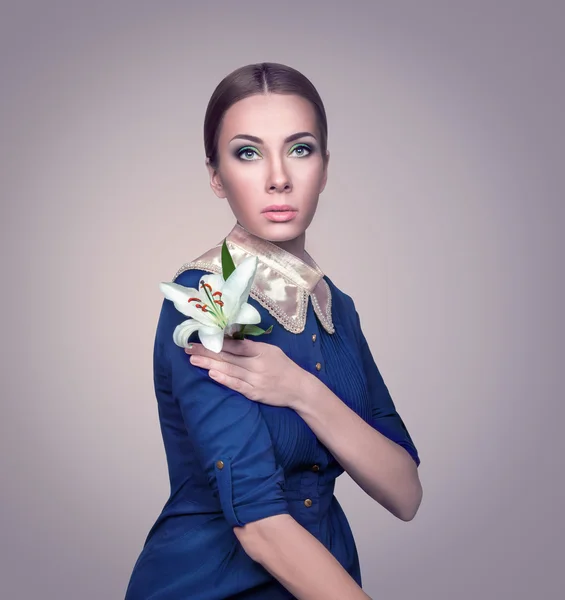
<point>245,151</point>
<point>301,148</point>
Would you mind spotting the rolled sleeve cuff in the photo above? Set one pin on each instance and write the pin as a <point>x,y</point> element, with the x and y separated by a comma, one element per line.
<point>395,431</point>
<point>411,450</point>
<point>265,500</point>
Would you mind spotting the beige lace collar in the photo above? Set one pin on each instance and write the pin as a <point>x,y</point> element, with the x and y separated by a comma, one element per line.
<point>283,282</point>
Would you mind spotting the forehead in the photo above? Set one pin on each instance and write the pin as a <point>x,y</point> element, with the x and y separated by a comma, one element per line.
<point>269,115</point>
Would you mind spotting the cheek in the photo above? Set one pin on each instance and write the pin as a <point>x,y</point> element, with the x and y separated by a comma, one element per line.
<point>243,191</point>
<point>239,179</point>
<point>309,178</point>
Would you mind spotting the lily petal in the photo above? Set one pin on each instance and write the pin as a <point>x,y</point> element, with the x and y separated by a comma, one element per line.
<point>184,330</point>
<point>212,341</point>
<point>238,285</point>
<point>179,295</point>
<point>214,279</point>
<point>247,315</point>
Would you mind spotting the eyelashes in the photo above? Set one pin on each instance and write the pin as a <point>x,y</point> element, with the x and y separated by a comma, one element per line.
<point>246,150</point>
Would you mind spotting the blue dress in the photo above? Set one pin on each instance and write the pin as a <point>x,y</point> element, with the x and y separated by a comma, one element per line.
<point>232,461</point>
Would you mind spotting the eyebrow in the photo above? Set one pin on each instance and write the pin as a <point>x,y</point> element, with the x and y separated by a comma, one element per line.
<point>254,138</point>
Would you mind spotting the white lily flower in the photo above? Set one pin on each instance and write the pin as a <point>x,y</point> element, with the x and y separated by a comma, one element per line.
<point>217,309</point>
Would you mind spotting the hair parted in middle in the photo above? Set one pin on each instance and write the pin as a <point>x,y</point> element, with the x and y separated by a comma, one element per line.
<point>258,78</point>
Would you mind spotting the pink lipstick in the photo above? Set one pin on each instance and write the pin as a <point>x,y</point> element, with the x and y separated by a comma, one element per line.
<point>279,212</point>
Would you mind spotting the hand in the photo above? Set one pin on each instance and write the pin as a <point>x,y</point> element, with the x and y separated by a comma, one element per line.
<point>261,372</point>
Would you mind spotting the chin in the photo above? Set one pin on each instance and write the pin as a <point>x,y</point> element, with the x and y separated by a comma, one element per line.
<point>281,232</point>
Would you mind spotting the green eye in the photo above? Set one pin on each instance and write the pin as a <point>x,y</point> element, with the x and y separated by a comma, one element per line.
<point>245,150</point>
<point>301,147</point>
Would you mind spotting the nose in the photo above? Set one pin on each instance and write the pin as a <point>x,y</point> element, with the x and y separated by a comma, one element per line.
<point>279,180</point>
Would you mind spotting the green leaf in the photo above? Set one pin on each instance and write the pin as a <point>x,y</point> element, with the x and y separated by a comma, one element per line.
<point>250,330</point>
<point>254,330</point>
<point>228,266</point>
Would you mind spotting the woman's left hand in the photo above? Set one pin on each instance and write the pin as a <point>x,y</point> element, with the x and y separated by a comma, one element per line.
<point>261,372</point>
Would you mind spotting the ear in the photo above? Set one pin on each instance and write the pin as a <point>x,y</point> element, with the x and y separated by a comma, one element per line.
<point>325,177</point>
<point>215,180</point>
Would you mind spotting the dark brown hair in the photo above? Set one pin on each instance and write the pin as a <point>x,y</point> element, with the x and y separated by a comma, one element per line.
<point>259,78</point>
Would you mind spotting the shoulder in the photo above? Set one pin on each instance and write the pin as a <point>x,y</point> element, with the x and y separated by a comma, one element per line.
<point>192,271</point>
<point>344,310</point>
<point>188,276</point>
<point>339,297</point>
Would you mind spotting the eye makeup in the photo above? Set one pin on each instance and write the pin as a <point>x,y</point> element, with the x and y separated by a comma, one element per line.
<point>306,147</point>
<point>246,149</point>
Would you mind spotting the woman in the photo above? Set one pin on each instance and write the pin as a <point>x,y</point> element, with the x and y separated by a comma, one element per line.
<point>257,434</point>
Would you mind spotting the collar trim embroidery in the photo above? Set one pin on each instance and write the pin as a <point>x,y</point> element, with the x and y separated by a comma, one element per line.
<point>283,282</point>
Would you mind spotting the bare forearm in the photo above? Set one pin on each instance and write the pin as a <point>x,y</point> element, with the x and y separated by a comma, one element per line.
<point>298,560</point>
<point>382,468</point>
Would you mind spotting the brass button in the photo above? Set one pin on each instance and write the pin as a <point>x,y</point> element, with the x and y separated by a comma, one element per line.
<point>313,337</point>
<point>315,468</point>
<point>308,502</point>
<point>318,366</point>
<point>220,464</point>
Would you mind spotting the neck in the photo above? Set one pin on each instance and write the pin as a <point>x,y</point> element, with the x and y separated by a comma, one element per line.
<point>295,246</point>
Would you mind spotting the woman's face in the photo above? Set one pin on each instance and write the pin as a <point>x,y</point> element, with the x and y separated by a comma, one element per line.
<point>262,166</point>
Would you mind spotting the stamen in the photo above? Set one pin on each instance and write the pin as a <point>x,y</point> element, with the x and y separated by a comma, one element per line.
<point>191,299</point>
<point>217,313</point>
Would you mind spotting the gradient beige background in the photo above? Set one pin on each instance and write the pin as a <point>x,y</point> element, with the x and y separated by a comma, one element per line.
<point>446,131</point>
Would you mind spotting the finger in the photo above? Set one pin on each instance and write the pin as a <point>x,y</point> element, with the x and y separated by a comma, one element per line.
<point>230,347</point>
<point>234,383</point>
<point>206,355</point>
<point>225,367</point>
<point>195,349</point>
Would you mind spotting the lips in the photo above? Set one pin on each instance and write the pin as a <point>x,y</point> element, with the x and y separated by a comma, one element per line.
<point>279,208</point>
<point>280,216</point>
